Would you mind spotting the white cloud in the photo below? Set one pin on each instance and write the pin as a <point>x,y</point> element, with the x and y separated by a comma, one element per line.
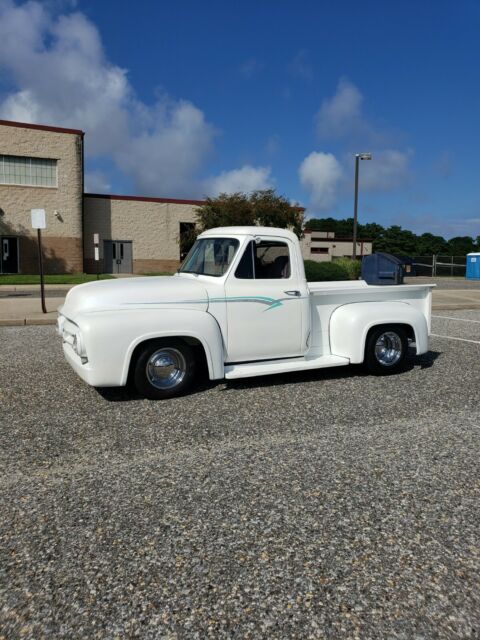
<point>96,182</point>
<point>326,178</point>
<point>63,77</point>
<point>341,115</point>
<point>167,156</point>
<point>321,174</point>
<point>245,179</point>
<point>387,170</point>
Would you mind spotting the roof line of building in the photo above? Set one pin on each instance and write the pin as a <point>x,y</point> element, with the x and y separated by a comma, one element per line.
<point>111,196</point>
<point>341,240</point>
<point>41,127</point>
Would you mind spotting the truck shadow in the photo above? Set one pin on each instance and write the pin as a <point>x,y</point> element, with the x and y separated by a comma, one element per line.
<point>412,361</point>
<point>128,394</point>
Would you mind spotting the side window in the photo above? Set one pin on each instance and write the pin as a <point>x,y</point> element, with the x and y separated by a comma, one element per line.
<point>267,260</point>
<point>245,266</point>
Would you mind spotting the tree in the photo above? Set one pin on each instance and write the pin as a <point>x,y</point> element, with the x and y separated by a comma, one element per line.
<point>263,207</point>
<point>341,228</point>
<point>397,241</point>
<point>428,244</point>
<point>460,245</point>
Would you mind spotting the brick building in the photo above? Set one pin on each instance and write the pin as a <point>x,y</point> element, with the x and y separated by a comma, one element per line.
<point>42,167</point>
<point>323,246</point>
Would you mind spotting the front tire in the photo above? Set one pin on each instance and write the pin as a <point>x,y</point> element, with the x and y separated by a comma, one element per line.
<point>385,350</point>
<point>164,368</point>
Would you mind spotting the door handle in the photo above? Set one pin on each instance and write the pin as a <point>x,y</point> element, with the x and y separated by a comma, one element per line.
<point>292,292</point>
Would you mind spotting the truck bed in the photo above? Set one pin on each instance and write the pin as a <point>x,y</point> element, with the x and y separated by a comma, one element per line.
<point>328,296</point>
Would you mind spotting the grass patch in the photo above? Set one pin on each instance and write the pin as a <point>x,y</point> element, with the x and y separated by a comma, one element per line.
<point>67,278</point>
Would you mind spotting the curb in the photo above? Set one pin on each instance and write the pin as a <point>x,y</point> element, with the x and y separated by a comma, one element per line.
<point>21,322</point>
<point>455,306</point>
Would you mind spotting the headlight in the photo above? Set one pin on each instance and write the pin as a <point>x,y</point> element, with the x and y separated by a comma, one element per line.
<point>60,323</point>
<point>75,340</point>
<point>78,345</point>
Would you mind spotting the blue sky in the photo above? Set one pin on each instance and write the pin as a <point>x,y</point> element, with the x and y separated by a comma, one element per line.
<point>184,99</point>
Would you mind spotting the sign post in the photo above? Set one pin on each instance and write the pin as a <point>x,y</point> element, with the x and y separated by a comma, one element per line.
<point>96,242</point>
<point>38,223</point>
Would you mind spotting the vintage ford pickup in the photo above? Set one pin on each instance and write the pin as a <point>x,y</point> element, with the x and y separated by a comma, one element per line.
<point>239,306</point>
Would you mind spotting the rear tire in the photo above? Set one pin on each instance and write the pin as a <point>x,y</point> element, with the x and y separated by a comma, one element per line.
<point>385,350</point>
<point>164,368</point>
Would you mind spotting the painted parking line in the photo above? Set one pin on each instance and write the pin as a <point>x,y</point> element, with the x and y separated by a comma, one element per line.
<point>437,335</point>
<point>460,319</point>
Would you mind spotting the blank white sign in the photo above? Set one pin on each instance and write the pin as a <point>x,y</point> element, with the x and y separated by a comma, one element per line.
<point>97,254</point>
<point>38,219</point>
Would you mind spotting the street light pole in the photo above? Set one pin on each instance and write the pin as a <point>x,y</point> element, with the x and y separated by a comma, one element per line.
<point>358,157</point>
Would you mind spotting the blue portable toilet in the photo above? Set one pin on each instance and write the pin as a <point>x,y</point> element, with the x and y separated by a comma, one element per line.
<point>473,266</point>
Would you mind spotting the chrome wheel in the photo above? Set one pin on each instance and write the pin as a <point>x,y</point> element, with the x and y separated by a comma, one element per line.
<point>166,368</point>
<point>388,348</point>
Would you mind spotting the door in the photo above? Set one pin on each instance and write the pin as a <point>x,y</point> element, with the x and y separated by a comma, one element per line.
<point>267,305</point>
<point>9,255</point>
<point>117,256</point>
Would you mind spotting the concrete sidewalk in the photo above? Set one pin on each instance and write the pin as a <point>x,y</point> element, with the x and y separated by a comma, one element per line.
<point>18,310</point>
<point>21,304</point>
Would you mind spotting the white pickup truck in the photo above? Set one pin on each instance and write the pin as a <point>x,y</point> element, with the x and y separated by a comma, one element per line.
<point>240,304</point>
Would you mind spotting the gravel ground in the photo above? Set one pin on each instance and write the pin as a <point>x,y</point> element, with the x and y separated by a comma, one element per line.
<point>323,505</point>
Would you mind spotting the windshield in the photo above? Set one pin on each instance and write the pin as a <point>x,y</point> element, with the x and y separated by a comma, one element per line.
<point>210,256</point>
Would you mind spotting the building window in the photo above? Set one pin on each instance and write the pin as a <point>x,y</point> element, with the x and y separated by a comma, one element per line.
<point>319,249</point>
<point>32,172</point>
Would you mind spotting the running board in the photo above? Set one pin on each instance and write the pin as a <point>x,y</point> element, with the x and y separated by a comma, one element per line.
<point>269,367</point>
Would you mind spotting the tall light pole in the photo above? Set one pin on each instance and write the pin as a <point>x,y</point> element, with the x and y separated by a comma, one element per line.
<point>358,157</point>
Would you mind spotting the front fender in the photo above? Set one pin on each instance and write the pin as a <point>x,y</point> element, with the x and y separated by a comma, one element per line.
<point>350,324</point>
<point>110,338</point>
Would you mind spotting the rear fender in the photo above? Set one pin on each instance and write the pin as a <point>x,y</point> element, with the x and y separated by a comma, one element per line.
<point>350,324</point>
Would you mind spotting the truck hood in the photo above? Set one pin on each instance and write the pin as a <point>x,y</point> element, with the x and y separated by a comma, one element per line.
<point>155,292</point>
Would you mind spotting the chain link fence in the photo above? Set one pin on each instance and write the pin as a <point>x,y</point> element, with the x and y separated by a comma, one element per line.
<point>439,266</point>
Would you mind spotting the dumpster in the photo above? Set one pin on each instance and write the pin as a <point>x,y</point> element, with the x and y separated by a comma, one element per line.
<point>473,266</point>
<point>382,268</point>
<point>408,264</point>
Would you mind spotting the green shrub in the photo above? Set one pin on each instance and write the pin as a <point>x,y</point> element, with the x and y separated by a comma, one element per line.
<point>322,271</point>
<point>353,267</point>
<point>341,269</point>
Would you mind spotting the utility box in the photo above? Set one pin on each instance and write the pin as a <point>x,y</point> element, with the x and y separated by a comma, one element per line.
<point>382,269</point>
<point>473,266</point>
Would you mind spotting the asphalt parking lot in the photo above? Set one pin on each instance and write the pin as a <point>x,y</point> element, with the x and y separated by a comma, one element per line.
<point>327,504</point>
